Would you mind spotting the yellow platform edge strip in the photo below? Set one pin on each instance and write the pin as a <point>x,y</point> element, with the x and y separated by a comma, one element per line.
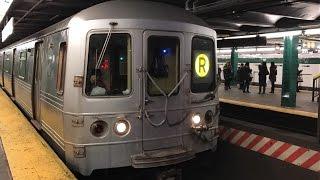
<point>29,156</point>
<point>271,108</point>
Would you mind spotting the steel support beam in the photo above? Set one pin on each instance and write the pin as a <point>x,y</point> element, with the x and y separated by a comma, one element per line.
<point>234,63</point>
<point>289,73</point>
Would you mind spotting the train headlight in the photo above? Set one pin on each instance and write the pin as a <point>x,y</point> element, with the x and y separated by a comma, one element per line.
<point>99,128</point>
<point>208,117</point>
<point>121,127</point>
<point>196,119</point>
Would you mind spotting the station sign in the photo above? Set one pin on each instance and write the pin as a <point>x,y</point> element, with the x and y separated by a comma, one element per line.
<point>7,30</point>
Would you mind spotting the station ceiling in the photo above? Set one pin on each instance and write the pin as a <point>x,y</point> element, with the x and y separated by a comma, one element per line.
<point>228,17</point>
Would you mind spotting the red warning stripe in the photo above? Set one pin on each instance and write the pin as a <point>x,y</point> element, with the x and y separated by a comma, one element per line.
<point>243,138</point>
<point>268,145</point>
<point>281,149</point>
<point>255,141</point>
<point>300,156</point>
<point>311,161</point>
<point>296,154</point>
<point>232,135</point>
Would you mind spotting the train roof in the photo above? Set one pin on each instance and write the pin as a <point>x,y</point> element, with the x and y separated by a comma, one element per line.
<point>122,9</point>
<point>138,9</point>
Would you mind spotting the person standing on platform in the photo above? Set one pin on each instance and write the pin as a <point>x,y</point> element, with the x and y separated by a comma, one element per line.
<point>219,74</point>
<point>240,76</point>
<point>247,77</point>
<point>299,79</point>
<point>263,72</point>
<point>273,76</point>
<point>227,73</point>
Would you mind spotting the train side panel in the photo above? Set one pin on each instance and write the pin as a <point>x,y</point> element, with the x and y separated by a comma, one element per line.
<point>1,69</point>
<point>7,75</point>
<point>51,100</point>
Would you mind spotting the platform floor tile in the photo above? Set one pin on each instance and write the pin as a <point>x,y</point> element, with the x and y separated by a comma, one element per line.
<point>29,156</point>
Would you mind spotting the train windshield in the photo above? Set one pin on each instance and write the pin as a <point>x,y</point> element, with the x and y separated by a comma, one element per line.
<point>163,64</point>
<point>203,65</point>
<point>113,76</point>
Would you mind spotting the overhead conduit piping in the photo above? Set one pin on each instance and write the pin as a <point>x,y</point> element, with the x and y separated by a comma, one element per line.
<point>225,4</point>
<point>29,11</point>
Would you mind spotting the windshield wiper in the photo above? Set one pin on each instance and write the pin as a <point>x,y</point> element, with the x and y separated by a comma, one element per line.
<point>105,44</point>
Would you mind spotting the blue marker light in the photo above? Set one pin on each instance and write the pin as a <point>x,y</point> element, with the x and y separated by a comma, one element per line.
<point>164,51</point>
<point>121,58</point>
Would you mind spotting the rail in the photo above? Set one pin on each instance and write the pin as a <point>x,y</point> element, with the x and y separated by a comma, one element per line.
<point>316,87</point>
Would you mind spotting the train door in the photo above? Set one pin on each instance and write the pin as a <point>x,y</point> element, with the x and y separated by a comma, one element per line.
<point>162,92</point>
<point>13,71</point>
<point>2,72</point>
<point>1,69</point>
<point>36,84</point>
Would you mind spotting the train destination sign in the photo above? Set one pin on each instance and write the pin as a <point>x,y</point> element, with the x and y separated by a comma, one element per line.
<point>202,65</point>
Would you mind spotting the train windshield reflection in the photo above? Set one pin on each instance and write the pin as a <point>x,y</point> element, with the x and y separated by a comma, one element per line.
<point>113,76</point>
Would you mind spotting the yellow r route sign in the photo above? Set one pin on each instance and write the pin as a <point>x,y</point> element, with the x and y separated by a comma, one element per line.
<point>202,65</point>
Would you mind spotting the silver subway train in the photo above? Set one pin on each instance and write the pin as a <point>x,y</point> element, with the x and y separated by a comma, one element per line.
<point>122,83</point>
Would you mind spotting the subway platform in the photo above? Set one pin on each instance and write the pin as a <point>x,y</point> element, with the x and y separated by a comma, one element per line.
<point>24,153</point>
<point>258,123</point>
<point>305,106</point>
<point>266,109</point>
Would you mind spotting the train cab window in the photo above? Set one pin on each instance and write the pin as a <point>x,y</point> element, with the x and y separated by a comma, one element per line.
<point>61,68</point>
<point>22,64</point>
<point>163,64</point>
<point>203,65</point>
<point>109,73</point>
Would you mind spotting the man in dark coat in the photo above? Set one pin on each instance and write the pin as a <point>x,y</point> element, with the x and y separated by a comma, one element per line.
<point>263,72</point>
<point>246,75</point>
<point>240,76</point>
<point>227,73</point>
<point>273,76</point>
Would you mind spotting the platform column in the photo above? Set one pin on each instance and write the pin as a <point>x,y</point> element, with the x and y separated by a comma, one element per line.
<point>289,73</point>
<point>234,64</point>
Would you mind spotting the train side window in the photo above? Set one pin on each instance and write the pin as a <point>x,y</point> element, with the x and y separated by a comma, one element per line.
<point>6,63</point>
<point>61,68</point>
<point>109,74</point>
<point>22,64</point>
<point>203,65</point>
<point>163,64</point>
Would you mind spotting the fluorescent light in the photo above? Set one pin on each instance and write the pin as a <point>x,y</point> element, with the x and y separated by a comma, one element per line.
<point>4,6</point>
<point>7,30</point>
<point>241,37</point>
<point>281,34</point>
<point>312,31</point>
<point>247,50</point>
<point>224,51</point>
<point>269,49</point>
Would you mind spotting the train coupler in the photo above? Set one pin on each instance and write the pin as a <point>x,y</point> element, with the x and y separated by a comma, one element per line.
<point>205,133</point>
